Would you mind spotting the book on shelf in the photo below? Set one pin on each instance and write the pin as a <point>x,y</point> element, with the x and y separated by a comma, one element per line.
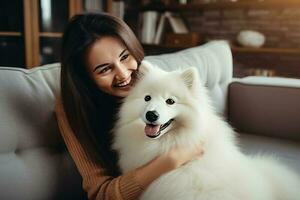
<point>118,8</point>
<point>148,31</point>
<point>160,29</point>
<point>93,5</point>
<point>175,22</point>
<point>155,26</point>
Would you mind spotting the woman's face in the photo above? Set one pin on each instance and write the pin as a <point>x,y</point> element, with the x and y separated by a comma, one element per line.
<point>111,66</point>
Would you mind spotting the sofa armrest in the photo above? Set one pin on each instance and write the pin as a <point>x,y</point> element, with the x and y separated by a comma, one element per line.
<point>265,106</point>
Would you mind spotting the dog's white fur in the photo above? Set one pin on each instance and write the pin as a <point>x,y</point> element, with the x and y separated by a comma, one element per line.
<point>222,173</point>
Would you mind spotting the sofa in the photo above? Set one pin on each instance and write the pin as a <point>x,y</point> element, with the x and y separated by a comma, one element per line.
<point>35,164</point>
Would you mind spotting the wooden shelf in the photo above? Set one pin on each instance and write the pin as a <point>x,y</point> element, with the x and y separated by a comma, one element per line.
<point>51,34</point>
<point>163,47</point>
<point>235,49</point>
<point>286,51</point>
<point>244,4</point>
<point>10,33</point>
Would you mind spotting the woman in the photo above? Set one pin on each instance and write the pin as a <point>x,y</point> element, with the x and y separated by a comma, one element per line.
<point>100,59</point>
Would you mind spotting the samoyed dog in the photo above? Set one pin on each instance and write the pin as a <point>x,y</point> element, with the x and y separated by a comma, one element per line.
<point>165,109</point>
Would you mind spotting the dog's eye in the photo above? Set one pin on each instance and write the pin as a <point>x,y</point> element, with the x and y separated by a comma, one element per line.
<point>147,98</point>
<point>170,101</point>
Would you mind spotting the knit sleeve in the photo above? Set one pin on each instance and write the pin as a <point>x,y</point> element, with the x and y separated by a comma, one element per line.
<point>95,182</point>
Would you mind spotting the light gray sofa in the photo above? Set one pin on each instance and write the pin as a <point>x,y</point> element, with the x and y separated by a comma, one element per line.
<point>35,165</point>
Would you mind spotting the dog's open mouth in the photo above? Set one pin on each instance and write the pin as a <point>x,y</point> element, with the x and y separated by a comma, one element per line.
<point>154,131</point>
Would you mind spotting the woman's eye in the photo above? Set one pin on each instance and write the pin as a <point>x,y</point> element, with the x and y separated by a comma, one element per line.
<point>147,98</point>
<point>124,57</point>
<point>105,69</point>
<point>170,101</point>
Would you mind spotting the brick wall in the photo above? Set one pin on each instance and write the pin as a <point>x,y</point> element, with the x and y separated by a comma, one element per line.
<point>281,26</point>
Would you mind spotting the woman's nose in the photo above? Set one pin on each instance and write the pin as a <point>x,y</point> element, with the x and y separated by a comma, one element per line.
<point>121,72</point>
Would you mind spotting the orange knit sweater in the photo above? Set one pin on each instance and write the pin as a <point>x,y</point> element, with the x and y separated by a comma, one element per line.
<point>95,182</point>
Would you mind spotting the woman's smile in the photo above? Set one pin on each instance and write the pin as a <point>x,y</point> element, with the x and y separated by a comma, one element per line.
<point>124,83</point>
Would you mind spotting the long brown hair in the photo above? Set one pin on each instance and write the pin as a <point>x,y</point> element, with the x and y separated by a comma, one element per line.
<point>90,111</point>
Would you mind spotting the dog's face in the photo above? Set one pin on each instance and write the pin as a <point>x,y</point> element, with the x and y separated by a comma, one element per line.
<point>160,110</point>
<point>162,100</point>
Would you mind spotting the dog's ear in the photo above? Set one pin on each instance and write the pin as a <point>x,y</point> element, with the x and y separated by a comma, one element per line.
<point>144,68</point>
<point>190,77</point>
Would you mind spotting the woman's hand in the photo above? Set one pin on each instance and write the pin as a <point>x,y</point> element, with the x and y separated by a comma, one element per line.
<point>179,155</point>
<point>176,157</point>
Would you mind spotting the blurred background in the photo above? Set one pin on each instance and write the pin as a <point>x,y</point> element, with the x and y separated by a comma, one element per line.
<point>264,34</point>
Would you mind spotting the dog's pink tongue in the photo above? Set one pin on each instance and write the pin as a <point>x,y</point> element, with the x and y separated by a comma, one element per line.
<point>151,130</point>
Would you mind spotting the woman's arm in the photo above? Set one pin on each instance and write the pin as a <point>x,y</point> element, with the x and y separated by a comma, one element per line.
<point>126,187</point>
<point>171,160</point>
<point>95,182</point>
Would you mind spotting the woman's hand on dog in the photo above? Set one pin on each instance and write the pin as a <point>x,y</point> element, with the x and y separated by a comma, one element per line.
<point>180,155</point>
<point>174,158</point>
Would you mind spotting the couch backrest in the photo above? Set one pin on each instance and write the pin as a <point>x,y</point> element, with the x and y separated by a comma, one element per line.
<point>34,163</point>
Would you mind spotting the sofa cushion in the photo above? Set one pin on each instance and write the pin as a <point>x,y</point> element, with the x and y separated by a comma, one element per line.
<point>266,106</point>
<point>285,150</point>
<point>34,163</point>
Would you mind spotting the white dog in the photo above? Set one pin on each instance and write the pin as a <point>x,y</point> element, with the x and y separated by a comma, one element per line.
<point>173,108</point>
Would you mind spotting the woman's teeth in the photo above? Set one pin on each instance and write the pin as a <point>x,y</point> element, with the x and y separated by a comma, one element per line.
<point>124,83</point>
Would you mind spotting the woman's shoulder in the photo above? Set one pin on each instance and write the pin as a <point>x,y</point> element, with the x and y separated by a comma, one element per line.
<point>61,115</point>
<point>58,103</point>
<point>59,108</point>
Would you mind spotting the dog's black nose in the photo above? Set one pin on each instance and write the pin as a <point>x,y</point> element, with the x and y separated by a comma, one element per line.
<point>152,116</point>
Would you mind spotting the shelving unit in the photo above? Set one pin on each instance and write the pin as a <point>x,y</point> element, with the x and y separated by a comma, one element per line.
<point>243,4</point>
<point>10,33</point>
<point>264,50</point>
<point>34,37</point>
<point>36,45</point>
<point>21,33</point>
<point>234,49</point>
<point>46,24</point>
<point>280,59</point>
